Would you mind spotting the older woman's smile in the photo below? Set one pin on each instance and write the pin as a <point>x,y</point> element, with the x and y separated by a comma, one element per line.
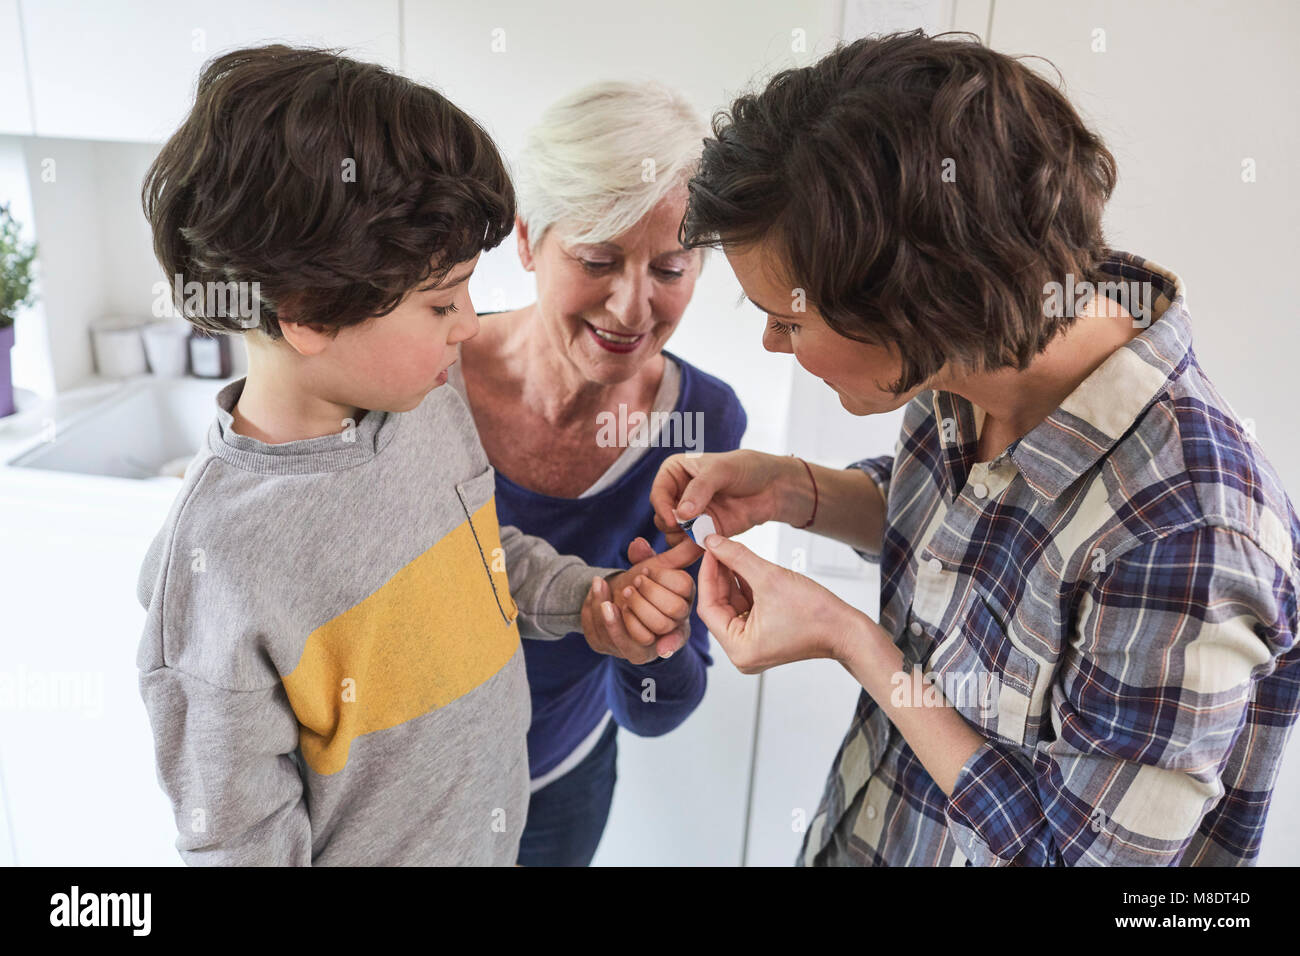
<point>614,341</point>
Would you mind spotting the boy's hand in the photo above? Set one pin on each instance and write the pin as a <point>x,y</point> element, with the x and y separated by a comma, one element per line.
<point>643,613</point>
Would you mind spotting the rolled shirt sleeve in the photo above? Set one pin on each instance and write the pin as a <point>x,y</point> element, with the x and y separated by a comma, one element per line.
<point>879,470</point>
<point>1150,697</point>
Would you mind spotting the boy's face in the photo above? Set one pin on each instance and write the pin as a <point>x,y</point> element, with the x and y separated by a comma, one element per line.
<point>857,371</point>
<point>391,362</point>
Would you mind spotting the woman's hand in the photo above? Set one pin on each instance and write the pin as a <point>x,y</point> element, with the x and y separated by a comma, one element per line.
<point>642,613</point>
<point>764,615</point>
<point>739,489</point>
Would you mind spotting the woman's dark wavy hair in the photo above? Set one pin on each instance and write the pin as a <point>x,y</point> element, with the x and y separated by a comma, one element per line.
<point>842,165</point>
<point>252,187</point>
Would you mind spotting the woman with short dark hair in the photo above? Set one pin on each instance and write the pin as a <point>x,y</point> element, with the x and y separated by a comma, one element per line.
<point>1082,549</point>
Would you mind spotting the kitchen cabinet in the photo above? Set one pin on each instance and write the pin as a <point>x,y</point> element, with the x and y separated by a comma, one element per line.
<point>15,109</point>
<point>110,71</point>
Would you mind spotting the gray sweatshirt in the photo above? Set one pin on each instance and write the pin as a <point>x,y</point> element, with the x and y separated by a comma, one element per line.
<point>331,661</point>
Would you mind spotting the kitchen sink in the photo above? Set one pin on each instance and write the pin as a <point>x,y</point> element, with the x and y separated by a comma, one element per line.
<point>148,428</point>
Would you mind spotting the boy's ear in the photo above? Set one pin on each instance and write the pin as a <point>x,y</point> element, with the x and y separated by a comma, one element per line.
<point>521,240</point>
<point>305,338</point>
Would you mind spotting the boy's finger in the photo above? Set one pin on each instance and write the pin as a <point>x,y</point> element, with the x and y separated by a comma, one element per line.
<point>668,601</point>
<point>655,620</point>
<point>624,629</point>
<point>642,636</point>
<point>679,582</point>
<point>681,555</point>
<point>639,550</point>
<point>675,537</point>
<point>670,644</point>
<point>625,645</point>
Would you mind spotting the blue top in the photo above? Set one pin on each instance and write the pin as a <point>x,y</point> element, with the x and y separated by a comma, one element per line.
<point>572,686</point>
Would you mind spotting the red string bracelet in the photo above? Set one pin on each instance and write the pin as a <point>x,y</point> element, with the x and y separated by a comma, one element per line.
<point>814,484</point>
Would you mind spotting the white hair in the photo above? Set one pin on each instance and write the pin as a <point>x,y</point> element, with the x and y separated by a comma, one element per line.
<point>604,156</point>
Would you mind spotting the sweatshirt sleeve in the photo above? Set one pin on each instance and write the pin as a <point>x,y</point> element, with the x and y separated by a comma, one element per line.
<point>547,587</point>
<point>225,757</point>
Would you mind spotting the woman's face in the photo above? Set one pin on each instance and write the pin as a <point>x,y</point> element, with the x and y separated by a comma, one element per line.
<point>610,307</point>
<point>857,371</point>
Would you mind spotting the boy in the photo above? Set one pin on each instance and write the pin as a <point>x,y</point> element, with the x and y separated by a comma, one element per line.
<point>331,661</point>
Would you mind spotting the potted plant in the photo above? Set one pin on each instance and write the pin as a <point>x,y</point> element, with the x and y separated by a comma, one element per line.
<point>16,258</point>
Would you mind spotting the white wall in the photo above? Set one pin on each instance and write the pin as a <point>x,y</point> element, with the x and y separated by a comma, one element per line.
<point>15,105</point>
<point>113,71</point>
<point>95,250</point>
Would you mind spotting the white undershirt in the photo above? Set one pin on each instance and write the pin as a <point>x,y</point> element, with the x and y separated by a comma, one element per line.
<point>665,401</point>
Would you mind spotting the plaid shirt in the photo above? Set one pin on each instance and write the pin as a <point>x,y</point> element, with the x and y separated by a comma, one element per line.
<point>1111,603</point>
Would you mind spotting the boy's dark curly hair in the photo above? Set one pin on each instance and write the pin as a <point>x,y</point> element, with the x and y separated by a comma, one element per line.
<point>337,185</point>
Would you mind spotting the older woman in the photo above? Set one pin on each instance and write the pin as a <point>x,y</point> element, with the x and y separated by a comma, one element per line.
<point>578,403</point>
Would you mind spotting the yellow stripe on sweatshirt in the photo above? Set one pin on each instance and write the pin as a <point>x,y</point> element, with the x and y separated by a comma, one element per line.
<point>432,633</point>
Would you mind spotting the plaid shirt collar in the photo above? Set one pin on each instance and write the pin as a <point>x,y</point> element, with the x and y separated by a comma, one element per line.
<point>1083,429</point>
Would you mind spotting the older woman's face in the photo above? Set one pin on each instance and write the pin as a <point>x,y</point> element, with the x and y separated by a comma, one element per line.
<point>856,371</point>
<point>611,306</point>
